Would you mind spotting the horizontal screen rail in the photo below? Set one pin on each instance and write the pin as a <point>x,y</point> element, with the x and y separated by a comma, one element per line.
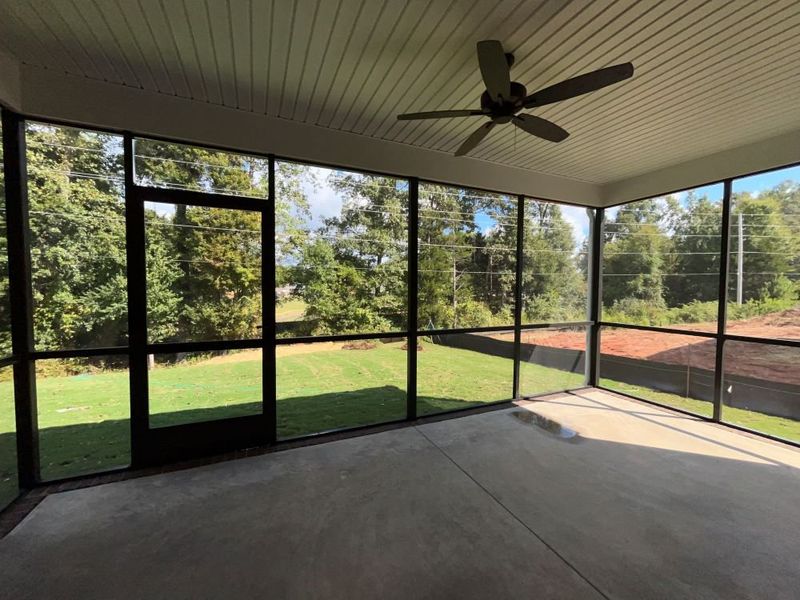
<point>704,334</point>
<point>559,325</point>
<point>210,346</point>
<point>197,198</point>
<point>493,329</point>
<point>79,353</point>
<point>760,340</point>
<point>344,337</point>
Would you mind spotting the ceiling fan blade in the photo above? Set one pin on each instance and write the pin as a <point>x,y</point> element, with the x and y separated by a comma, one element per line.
<point>440,114</point>
<point>582,84</point>
<point>494,69</point>
<point>475,138</point>
<point>541,128</point>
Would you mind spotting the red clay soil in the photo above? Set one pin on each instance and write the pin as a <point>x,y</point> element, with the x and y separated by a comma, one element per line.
<point>772,363</point>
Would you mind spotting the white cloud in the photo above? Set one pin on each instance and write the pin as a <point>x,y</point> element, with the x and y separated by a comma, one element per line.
<point>579,221</point>
<point>323,201</point>
<point>161,209</point>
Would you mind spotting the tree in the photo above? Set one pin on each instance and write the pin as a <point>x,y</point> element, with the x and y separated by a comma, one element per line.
<point>553,288</point>
<point>694,258</point>
<point>770,247</point>
<point>635,244</point>
<point>77,238</point>
<point>352,270</point>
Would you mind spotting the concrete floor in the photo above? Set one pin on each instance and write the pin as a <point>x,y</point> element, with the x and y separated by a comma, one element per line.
<point>640,503</point>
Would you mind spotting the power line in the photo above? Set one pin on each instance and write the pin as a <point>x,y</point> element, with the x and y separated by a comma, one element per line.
<point>208,189</point>
<point>79,174</point>
<point>250,159</point>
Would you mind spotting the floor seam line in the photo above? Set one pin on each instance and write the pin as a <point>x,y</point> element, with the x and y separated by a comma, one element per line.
<point>513,515</point>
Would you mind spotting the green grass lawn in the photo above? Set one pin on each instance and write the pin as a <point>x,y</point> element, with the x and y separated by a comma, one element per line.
<point>778,426</point>
<point>84,426</point>
<point>290,309</point>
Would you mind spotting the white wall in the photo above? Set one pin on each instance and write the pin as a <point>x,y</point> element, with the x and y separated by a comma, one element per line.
<point>10,82</point>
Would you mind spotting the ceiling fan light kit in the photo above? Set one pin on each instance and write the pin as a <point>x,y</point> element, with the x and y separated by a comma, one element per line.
<point>503,99</point>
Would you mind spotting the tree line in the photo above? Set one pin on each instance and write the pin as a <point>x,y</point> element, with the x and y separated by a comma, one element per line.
<point>661,257</point>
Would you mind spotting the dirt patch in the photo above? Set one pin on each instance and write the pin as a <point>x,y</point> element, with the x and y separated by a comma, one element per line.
<point>771,363</point>
<point>234,357</point>
<point>294,349</point>
<point>405,347</point>
<point>359,345</point>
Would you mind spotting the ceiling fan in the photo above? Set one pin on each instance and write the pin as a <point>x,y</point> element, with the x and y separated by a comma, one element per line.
<point>503,98</point>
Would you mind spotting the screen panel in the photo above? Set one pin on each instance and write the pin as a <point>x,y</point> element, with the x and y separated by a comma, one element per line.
<point>83,412</point>
<point>764,259</point>
<point>762,388</point>
<point>341,251</point>
<point>191,387</point>
<point>9,479</point>
<point>555,262</point>
<point>183,167</point>
<point>671,369</point>
<point>77,233</point>
<point>5,302</point>
<point>461,370</point>
<point>324,386</point>
<point>203,273</point>
<point>552,360</point>
<point>661,260</point>
<point>467,257</point>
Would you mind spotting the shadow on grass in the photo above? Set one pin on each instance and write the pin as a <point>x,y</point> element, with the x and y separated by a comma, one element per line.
<point>85,448</point>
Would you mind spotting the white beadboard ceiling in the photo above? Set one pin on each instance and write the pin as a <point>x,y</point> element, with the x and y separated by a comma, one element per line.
<point>710,75</point>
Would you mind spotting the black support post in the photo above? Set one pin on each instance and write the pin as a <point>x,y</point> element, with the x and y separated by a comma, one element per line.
<point>137,309</point>
<point>268,281</point>
<point>722,309</point>
<point>412,288</point>
<point>595,299</point>
<point>518,294</point>
<point>20,296</point>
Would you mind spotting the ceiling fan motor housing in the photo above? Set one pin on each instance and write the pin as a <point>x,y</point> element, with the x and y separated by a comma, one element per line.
<point>503,111</point>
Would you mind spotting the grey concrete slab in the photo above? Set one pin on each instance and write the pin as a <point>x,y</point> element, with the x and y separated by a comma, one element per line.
<point>644,502</point>
<point>382,516</point>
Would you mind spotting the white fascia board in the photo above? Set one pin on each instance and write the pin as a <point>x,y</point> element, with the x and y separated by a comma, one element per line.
<point>771,153</point>
<point>95,103</point>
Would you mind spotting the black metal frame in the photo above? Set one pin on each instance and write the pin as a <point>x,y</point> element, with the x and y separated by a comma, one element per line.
<point>159,445</point>
<point>595,299</point>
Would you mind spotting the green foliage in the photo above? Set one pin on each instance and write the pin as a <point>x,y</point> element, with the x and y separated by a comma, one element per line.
<point>662,258</point>
<point>642,313</point>
<point>77,229</point>
<point>203,264</point>
<point>553,281</point>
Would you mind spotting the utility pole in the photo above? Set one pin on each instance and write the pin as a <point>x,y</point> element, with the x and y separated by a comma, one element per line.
<point>740,262</point>
<point>455,289</point>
